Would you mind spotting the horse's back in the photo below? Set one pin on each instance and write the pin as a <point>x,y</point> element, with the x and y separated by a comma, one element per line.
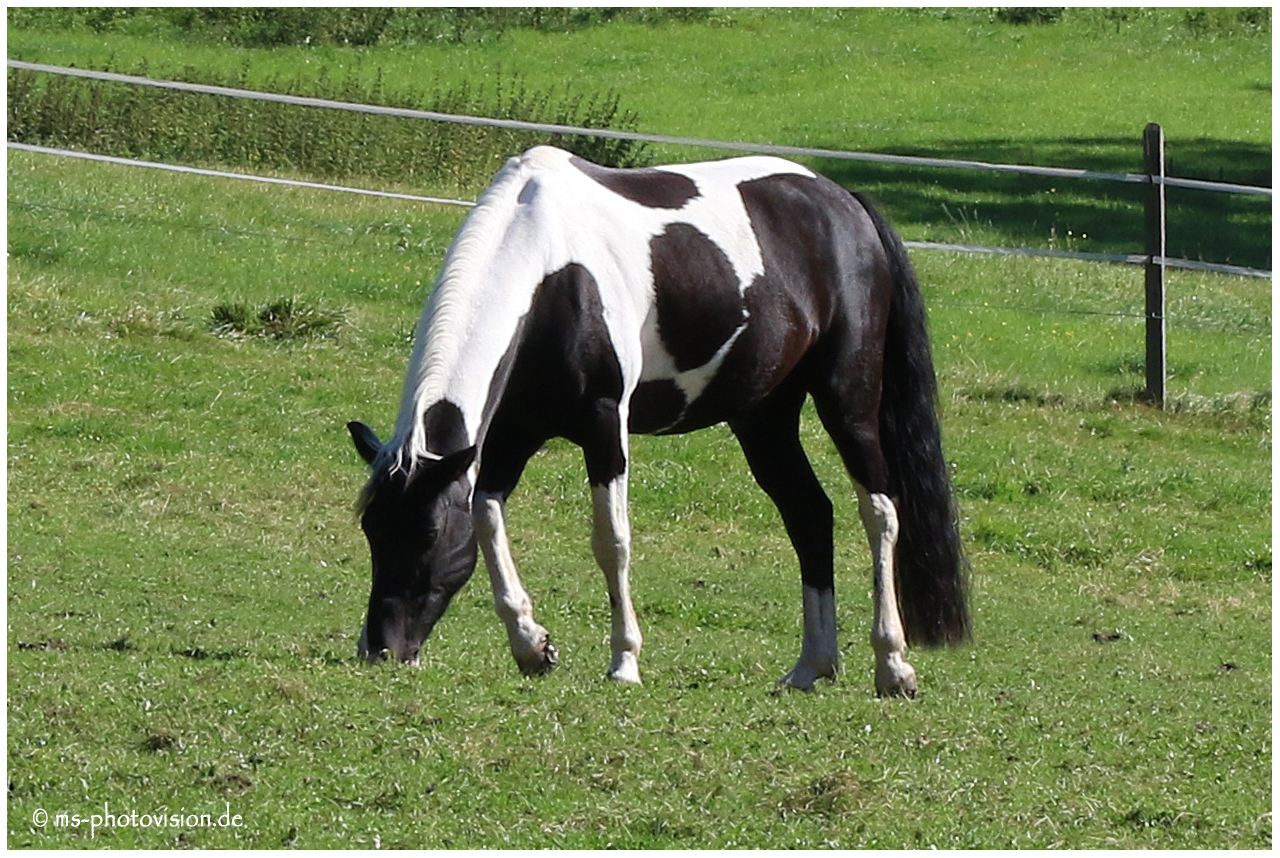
<point>711,282</point>
<point>721,337</point>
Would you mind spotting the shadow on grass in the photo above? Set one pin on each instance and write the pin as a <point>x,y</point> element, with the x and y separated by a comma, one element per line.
<point>1034,211</point>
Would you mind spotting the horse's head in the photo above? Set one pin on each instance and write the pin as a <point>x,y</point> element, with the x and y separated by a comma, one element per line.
<point>423,545</point>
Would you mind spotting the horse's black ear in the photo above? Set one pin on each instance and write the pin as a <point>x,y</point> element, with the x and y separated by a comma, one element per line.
<point>366,440</point>
<point>454,465</point>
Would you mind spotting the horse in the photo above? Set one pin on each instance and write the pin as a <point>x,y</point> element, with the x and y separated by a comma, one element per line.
<point>589,303</point>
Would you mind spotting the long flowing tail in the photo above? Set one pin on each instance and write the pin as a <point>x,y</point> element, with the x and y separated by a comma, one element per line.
<point>929,563</point>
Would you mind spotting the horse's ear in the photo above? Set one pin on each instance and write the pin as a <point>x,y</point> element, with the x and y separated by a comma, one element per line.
<point>366,441</point>
<point>453,466</point>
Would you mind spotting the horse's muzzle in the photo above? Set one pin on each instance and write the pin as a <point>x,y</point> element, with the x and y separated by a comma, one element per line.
<point>397,648</point>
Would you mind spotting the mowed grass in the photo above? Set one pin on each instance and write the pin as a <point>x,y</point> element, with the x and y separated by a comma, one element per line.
<point>187,579</point>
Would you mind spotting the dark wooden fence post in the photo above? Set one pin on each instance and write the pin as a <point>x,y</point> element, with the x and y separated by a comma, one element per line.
<point>1153,155</point>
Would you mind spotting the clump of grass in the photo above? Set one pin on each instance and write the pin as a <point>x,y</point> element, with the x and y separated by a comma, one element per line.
<point>142,322</point>
<point>282,319</point>
<point>1029,14</point>
<point>160,741</point>
<point>825,797</point>
<point>1242,402</point>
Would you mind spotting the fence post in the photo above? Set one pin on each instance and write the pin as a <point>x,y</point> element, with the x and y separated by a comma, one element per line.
<point>1153,157</point>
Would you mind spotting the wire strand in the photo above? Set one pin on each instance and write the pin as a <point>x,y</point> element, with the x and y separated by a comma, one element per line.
<point>1131,258</point>
<point>550,128</point>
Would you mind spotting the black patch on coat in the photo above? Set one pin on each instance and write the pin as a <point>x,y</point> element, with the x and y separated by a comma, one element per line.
<point>696,295</point>
<point>799,224</point>
<point>655,189</point>
<point>655,405</point>
<point>444,427</point>
<point>565,382</point>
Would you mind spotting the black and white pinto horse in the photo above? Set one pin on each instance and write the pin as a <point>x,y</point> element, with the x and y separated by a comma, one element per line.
<point>584,302</point>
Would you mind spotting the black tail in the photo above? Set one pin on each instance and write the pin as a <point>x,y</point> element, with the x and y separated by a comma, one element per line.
<point>929,562</point>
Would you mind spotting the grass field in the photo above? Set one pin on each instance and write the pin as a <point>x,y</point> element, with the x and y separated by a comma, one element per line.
<point>943,82</point>
<point>186,577</point>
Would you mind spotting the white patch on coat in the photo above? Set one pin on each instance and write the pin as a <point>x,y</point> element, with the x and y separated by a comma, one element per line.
<point>719,212</point>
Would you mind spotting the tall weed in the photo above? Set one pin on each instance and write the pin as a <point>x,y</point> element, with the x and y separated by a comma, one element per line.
<point>167,125</point>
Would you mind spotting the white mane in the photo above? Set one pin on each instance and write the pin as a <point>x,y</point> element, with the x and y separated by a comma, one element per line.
<point>448,315</point>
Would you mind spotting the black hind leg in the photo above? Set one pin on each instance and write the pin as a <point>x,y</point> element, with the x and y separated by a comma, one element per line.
<point>853,423</point>
<point>770,438</point>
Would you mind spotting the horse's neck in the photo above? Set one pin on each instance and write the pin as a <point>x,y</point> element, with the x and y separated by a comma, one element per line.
<point>460,353</point>
<point>464,342</point>
<point>466,327</point>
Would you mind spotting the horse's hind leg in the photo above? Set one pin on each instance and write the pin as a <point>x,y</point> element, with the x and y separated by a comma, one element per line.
<point>857,439</point>
<point>895,677</point>
<point>770,439</point>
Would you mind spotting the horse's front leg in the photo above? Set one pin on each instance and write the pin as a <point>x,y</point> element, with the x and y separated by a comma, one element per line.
<point>530,643</point>
<point>611,544</point>
<point>605,446</point>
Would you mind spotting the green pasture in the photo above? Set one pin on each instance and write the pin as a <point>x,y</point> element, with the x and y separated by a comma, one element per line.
<point>186,577</point>
<point>952,83</point>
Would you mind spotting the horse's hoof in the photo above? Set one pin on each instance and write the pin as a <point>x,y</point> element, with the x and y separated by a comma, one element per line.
<point>626,670</point>
<point>543,662</point>
<point>806,673</point>
<point>900,685</point>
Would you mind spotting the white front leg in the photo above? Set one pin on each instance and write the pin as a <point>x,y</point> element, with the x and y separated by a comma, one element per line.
<point>611,544</point>
<point>530,643</point>
<point>894,676</point>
